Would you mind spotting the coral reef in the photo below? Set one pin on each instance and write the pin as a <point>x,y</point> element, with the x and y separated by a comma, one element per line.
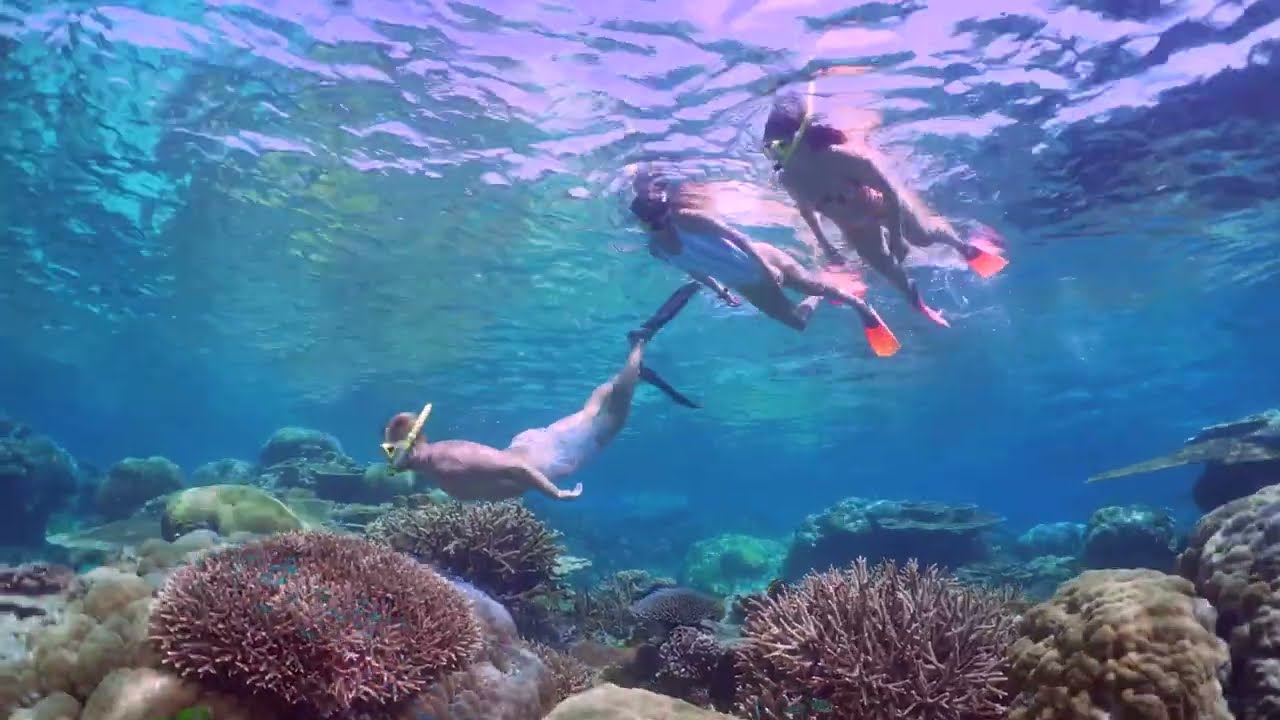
<point>610,702</point>
<point>1036,579</point>
<point>228,471</point>
<point>102,628</point>
<point>603,612</point>
<point>1061,539</point>
<point>508,681</point>
<point>502,547</point>
<point>1119,643</point>
<point>35,579</point>
<point>695,666</point>
<point>902,643</point>
<point>676,606</point>
<point>130,483</point>
<point>932,533</point>
<point>378,483</point>
<point>1233,559</point>
<point>297,443</point>
<point>1219,484</point>
<point>295,457</point>
<point>31,595</point>
<point>37,477</point>
<point>571,675</point>
<point>320,622</point>
<point>732,564</point>
<point>226,509</point>
<point>1130,536</point>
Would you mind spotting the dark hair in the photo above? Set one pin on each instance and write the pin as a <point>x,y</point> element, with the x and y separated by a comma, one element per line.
<point>787,116</point>
<point>649,207</point>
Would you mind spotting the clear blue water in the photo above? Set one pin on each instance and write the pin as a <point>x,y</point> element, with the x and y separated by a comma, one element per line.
<point>221,218</point>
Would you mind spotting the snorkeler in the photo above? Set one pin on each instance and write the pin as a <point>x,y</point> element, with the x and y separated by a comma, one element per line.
<point>535,458</point>
<point>827,171</point>
<point>684,232</point>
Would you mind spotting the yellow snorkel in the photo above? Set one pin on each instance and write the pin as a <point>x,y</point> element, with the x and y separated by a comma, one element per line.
<point>397,451</point>
<point>781,151</point>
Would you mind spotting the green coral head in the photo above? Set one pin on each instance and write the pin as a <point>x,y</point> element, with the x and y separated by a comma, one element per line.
<point>196,712</point>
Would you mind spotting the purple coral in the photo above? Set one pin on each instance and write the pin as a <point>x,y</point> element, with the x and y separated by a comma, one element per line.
<point>323,624</point>
<point>904,643</point>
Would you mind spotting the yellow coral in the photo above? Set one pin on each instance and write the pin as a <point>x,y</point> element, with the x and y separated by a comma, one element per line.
<point>1134,644</point>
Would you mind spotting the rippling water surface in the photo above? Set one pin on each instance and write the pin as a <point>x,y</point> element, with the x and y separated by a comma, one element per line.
<point>226,216</point>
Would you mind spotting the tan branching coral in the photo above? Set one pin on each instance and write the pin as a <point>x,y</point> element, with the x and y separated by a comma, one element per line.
<point>903,643</point>
<point>572,676</point>
<point>501,547</point>
<point>1133,644</point>
<point>319,622</point>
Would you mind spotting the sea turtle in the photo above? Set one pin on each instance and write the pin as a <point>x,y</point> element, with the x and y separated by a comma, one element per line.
<point>1240,457</point>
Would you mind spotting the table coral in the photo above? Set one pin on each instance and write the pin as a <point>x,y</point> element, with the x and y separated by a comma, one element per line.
<point>1233,558</point>
<point>1134,644</point>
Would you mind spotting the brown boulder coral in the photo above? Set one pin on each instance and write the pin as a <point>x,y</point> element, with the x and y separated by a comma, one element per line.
<point>1233,558</point>
<point>904,643</point>
<point>320,623</point>
<point>1134,644</point>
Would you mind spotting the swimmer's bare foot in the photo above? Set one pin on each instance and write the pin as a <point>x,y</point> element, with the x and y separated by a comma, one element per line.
<point>569,494</point>
<point>929,312</point>
<point>806,307</point>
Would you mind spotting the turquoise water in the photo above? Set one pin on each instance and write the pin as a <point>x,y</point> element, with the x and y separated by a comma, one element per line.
<point>222,218</point>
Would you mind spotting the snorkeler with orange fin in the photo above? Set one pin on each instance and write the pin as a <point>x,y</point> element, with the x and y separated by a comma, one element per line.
<point>686,234</point>
<point>537,457</point>
<point>830,172</point>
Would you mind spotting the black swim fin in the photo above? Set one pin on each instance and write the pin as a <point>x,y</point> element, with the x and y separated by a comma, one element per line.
<point>656,380</point>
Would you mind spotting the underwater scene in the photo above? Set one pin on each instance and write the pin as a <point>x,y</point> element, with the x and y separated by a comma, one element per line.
<point>639,360</point>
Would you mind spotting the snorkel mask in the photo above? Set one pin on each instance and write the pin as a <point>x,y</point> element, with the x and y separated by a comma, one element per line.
<point>780,150</point>
<point>398,452</point>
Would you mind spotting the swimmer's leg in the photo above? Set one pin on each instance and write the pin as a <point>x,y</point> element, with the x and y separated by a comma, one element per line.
<point>880,258</point>
<point>982,255</point>
<point>665,314</point>
<point>879,336</point>
<point>641,335</point>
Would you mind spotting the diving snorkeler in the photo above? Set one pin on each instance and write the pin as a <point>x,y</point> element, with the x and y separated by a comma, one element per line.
<point>827,171</point>
<point>684,232</point>
<point>537,457</point>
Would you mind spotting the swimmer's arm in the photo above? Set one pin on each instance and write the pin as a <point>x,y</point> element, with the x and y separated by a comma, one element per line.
<point>811,219</point>
<point>716,287</point>
<point>534,478</point>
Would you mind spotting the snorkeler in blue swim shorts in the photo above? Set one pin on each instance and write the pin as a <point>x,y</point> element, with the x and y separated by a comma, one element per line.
<point>684,233</point>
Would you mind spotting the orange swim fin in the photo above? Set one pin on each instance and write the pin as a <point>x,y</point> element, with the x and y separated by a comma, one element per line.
<point>882,341</point>
<point>985,258</point>
<point>987,264</point>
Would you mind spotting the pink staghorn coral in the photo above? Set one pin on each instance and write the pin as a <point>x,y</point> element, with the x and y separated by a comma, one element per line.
<point>888,642</point>
<point>319,623</point>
